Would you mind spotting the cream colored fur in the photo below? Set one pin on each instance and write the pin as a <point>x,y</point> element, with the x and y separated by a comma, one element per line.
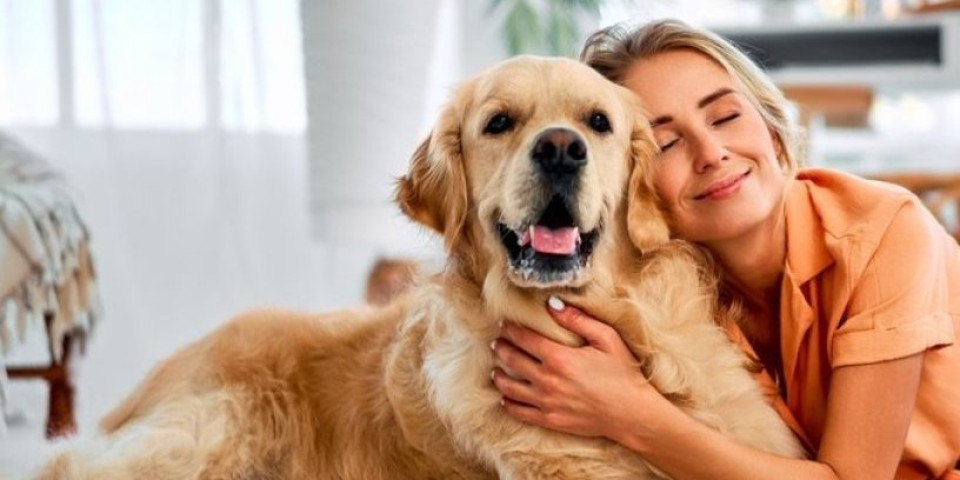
<point>404,391</point>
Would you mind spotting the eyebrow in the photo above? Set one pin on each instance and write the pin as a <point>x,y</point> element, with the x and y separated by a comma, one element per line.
<point>664,119</point>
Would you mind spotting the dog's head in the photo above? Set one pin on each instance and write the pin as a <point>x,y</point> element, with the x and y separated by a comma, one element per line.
<point>526,170</point>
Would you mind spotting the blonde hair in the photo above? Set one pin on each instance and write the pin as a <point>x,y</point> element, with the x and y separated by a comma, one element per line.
<point>613,50</point>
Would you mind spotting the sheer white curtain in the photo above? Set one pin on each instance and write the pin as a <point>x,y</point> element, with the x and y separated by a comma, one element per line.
<point>180,124</point>
<point>28,79</point>
<point>142,64</point>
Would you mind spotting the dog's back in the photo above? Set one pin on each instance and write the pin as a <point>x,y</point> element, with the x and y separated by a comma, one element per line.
<point>275,394</point>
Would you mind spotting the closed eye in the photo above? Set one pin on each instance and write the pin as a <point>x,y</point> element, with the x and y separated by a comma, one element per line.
<point>726,119</point>
<point>666,146</point>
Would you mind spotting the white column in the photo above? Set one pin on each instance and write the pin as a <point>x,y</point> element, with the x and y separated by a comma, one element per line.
<point>212,90</point>
<point>64,33</point>
<point>367,65</point>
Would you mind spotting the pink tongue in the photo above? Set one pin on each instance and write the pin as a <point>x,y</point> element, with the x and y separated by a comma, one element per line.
<point>562,241</point>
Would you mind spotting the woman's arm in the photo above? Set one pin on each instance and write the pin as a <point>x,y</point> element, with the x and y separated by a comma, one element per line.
<point>586,390</point>
<point>868,413</point>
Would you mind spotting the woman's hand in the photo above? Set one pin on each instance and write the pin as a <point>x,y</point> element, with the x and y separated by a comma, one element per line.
<point>586,391</point>
<point>598,390</point>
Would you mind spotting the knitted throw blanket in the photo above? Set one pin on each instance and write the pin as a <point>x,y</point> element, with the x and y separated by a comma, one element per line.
<point>46,269</point>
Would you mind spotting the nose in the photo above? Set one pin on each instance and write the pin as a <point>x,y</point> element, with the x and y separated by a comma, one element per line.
<point>709,152</point>
<point>559,152</point>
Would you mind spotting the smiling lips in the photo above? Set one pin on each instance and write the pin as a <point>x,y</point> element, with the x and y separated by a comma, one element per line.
<point>722,189</point>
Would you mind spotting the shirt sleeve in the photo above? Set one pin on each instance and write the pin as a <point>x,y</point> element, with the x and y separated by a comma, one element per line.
<point>900,304</point>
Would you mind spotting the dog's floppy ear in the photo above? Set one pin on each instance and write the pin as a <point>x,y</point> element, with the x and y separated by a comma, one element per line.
<point>646,222</point>
<point>434,191</point>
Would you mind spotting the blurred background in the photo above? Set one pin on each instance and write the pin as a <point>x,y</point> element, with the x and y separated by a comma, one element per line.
<point>221,155</point>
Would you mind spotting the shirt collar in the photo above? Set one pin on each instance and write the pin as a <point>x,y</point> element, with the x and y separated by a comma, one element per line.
<point>807,253</point>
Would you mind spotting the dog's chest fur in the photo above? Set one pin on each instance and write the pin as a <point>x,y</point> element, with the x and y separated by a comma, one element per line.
<point>666,316</point>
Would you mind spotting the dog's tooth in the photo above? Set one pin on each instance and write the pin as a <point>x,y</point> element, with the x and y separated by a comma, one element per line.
<point>578,236</point>
<point>524,239</point>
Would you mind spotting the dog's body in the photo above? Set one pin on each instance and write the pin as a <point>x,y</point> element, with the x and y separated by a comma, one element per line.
<point>405,391</point>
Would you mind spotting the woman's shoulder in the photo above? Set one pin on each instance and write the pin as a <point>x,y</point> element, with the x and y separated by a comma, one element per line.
<point>850,191</point>
<point>852,206</point>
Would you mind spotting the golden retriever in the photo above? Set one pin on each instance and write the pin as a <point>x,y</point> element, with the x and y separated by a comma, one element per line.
<point>527,176</point>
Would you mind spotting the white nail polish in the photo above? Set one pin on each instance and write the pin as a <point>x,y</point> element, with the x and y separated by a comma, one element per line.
<point>555,303</point>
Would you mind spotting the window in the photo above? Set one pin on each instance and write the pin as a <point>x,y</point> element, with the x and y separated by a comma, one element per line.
<point>143,64</point>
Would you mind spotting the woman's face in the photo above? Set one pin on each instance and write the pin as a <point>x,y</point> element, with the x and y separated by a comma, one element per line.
<point>717,172</point>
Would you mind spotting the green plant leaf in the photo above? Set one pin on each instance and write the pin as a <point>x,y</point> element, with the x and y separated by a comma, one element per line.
<point>562,31</point>
<point>552,29</point>
<point>522,29</point>
<point>493,6</point>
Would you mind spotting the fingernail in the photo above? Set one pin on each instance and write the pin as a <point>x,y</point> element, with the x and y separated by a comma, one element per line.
<point>555,303</point>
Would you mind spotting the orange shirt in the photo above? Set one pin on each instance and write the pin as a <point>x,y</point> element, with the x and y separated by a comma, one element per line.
<point>870,276</point>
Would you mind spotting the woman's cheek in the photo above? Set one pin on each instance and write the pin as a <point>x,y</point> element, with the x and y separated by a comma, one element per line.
<point>668,186</point>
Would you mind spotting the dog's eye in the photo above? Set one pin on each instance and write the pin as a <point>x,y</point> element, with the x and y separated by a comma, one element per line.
<point>599,122</point>
<point>500,123</point>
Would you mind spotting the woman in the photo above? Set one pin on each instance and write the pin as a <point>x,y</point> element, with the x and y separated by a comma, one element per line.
<point>852,289</point>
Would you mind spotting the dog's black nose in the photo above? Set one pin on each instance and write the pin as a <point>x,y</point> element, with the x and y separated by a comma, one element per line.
<point>559,151</point>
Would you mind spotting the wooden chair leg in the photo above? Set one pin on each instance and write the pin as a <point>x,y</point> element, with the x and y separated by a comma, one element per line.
<point>60,417</point>
<point>61,420</point>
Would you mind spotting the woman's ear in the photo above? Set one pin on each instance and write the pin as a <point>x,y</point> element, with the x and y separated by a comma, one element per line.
<point>779,150</point>
<point>646,222</point>
<point>434,191</point>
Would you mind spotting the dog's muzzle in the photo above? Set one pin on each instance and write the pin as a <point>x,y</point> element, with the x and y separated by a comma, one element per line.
<point>551,249</point>
<point>559,155</point>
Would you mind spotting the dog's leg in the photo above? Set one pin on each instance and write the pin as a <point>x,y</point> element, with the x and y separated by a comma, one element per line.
<point>189,438</point>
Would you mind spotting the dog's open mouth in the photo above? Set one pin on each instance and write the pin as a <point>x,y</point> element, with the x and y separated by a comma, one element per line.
<point>551,251</point>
